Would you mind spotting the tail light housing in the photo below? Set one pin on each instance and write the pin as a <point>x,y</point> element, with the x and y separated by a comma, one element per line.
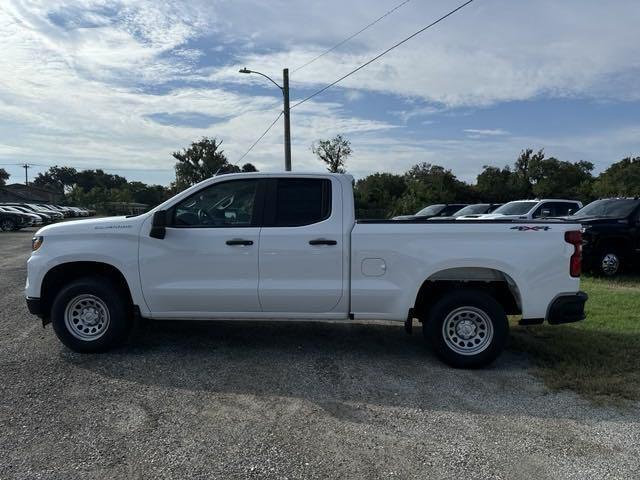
<point>575,262</point>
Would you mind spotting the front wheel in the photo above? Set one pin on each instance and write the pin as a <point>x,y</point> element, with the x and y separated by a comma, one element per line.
<point>7,225</point>
<point>90,315</point>
<point>467,328</point>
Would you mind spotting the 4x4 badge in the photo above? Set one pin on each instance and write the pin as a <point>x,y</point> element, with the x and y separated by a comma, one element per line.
<point>525,228</point>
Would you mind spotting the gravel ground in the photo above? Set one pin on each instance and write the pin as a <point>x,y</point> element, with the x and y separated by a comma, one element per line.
<point>277,400</point>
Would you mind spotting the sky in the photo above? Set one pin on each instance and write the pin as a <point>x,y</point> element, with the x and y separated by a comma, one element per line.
<point>120,85</point>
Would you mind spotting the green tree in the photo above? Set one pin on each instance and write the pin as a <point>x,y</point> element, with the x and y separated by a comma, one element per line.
<point>427,184</point>
<point>59,179</point>
<point>248,167</point>
<point>375,195</point>
<point>553,178</point>
<point>620,179</point>
<point>498,185</point>
<point>4,176</point>
<point>89,179</point>
<point>522,170</point>
<point>151,195</point>
<point>202,160</point>
<point>333,152</point>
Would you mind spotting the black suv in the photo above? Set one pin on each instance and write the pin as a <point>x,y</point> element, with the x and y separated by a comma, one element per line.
<point>610,234</point>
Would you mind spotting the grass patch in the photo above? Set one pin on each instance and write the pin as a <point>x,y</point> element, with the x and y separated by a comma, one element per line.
<point>598,357</point>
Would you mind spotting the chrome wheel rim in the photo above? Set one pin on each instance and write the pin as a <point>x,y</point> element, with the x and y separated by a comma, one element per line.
<point>6,225</point>
<point>467,330</point>
<point>87,317</point>
<point>610,264</point>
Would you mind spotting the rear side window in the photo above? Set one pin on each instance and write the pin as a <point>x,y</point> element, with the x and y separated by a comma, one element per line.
<point>562,209</point>
<point>302,201</point>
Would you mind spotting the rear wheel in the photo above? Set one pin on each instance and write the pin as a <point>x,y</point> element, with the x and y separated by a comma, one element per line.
<point>91,315</point>
<point>7,225</point>
<point>467,328</point>
<point>609,263</point>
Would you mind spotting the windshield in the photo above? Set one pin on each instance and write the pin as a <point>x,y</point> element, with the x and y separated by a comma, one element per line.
<point>614,208</point>
<point>473,209</point>
<point>515,208</point>
<point>7,208</point>
<point>430,210</point>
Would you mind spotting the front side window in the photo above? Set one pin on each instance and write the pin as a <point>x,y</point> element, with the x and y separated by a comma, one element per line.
<point>226,204</point>
<point>302,201</point>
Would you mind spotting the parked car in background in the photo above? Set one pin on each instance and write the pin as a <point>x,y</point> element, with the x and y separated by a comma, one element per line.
<point>35,219</point>
<point>40,208</point>
<point>530,209</point>
<point>11,221</point>
<point>438,210</point>
<point>65,210</point>
<point>475,209</point>
<point>610,234</point>
<point>52,208</point>
<point>46,219</point>
<point>79,212</point>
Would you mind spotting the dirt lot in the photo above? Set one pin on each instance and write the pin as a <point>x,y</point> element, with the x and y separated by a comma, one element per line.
<point>276,400</point>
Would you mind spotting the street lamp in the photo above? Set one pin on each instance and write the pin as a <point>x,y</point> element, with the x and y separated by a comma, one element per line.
<point>287,125</point>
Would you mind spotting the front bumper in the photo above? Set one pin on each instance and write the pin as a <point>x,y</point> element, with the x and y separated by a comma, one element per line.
<point>566,308</point>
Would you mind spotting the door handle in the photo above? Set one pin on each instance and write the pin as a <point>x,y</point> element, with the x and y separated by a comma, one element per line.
<point>239,241</point>
<point>322,241</point>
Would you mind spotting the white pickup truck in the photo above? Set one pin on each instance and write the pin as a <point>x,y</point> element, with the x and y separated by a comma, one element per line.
<point>287,246</point>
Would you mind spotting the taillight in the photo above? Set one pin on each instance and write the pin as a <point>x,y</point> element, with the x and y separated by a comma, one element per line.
<point>575,263</point>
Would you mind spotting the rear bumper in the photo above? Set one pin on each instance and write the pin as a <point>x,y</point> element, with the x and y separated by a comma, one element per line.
<point>564,309</point>
<point>567,309</point>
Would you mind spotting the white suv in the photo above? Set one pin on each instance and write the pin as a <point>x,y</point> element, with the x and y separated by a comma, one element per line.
<point>530,209</point>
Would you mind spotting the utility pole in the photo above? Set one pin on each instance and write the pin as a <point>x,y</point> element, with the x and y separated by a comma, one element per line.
<point>286,110</point>
<point>287,124</point>
<point>26,175</point>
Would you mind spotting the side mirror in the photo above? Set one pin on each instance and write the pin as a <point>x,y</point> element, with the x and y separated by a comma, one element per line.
<point>158,224</point>
<point>545,213</point>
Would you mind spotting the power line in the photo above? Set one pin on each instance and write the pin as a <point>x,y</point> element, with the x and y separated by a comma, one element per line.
<point>337,45</point>
<point>382,54</point>
<point>260,137</point>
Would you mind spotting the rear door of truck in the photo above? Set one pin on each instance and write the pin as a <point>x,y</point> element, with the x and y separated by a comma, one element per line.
<point>301,246</point>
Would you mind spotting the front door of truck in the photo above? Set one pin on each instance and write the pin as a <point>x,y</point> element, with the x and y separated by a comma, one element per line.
<point>208,261</point>
<point>301,246</point>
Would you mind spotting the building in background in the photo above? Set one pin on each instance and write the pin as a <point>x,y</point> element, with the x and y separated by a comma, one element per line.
<point>19,192</point>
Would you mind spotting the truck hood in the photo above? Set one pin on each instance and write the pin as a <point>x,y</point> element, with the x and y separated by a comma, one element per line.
<point>108,224</point>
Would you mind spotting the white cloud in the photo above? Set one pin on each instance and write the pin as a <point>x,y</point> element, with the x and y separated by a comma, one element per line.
<point>484,132</point>
<point>73,93</point>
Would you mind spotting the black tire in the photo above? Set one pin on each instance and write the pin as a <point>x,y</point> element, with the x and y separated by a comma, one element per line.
<point>99,295</point>
<point>609,262</point>
<point>7,225</point>
<point>472,313</point>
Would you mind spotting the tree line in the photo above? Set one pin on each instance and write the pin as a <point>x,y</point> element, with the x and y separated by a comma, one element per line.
<point>379,195</point>
<point>532,175</point>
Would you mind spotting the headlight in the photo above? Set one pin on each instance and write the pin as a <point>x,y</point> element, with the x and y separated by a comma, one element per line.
<point>36,242</point>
